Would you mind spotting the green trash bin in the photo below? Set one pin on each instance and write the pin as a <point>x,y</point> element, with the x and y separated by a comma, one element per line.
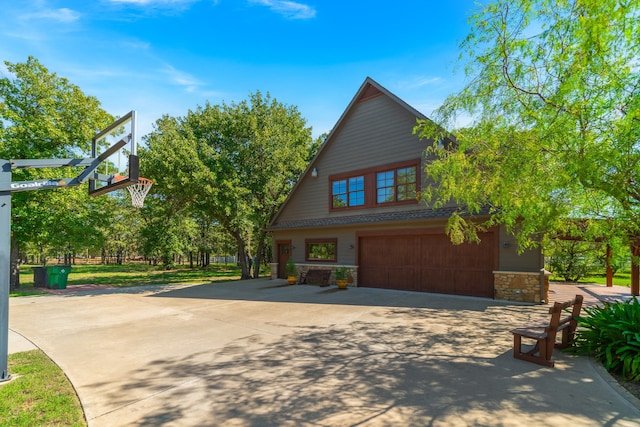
<point>58,276</point>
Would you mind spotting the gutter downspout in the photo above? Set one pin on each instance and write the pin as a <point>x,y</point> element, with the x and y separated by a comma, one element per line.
<point>542,281</point>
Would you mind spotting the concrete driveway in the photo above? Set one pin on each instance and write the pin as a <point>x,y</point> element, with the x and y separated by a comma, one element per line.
<point>261,353</point>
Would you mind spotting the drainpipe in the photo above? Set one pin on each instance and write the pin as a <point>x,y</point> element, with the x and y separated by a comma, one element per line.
<point>542,273</point>
<point>542,300</point>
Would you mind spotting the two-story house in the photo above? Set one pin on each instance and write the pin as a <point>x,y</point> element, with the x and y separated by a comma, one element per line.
<point>356,206</point>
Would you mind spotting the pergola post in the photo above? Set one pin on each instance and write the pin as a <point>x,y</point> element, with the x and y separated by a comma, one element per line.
<point>609,269</point>
<point>635,269</point>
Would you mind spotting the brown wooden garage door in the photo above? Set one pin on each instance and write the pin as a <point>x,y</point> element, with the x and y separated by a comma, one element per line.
<point>427,263</point>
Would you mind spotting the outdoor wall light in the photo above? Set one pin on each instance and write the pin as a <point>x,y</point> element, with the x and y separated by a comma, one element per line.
<point>506,245</point>
<point>314,172</point>
<point>351,246</point>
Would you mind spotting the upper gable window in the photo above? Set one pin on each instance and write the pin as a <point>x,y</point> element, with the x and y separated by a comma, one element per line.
<point>348,192</point>
<point>385,185</point>
<point>396,185</point>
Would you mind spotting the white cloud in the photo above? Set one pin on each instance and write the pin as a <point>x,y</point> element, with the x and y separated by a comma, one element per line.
<point>181,78</point>
<point>288,9</point>
<point>427,81</point>
<point>418,82</point>
<point>62,15</point>
<point>147,2</point>
<point>136,45</point>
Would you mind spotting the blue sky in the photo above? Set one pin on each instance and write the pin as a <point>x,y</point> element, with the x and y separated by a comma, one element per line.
<point>169,56</point>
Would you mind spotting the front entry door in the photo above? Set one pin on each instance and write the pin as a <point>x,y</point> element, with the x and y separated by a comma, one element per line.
<point>284,252</point>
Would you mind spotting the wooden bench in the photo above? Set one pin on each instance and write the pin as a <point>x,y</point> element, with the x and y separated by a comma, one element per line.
<point>315,276</point>
<point>545,333</point>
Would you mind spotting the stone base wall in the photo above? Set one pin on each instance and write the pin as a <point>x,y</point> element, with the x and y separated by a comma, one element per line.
<point>520,286</point>
<point>353,269</point>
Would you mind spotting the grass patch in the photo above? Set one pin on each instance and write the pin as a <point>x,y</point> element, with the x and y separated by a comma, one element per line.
<point>620,279</point>
<point>127,275</point>
<point>39,395</point>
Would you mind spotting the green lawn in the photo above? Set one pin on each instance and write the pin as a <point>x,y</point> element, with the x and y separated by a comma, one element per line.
<point>39,394</point>
<point>132,275</point>
<point>619,279</point>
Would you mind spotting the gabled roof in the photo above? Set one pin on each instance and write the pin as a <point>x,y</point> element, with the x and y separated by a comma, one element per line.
<point>369,89</point>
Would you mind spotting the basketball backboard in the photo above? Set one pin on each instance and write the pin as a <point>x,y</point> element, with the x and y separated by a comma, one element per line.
<point>116,147</point>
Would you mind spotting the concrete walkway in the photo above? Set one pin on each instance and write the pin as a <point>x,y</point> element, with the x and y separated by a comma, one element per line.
<point>593,294</point>
<point>261,353</point>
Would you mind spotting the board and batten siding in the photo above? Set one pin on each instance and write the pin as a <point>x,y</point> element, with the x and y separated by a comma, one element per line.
<point>377,132</point>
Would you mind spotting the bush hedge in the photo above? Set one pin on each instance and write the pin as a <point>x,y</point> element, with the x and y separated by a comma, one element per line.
<point>611,334</point>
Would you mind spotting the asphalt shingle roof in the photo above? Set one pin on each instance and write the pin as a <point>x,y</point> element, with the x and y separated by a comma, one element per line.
<point>366,218</point>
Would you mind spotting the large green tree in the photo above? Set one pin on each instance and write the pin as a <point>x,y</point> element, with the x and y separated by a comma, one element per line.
<point>234,163</point>
<point>42,116</point>
<point>553,106</point>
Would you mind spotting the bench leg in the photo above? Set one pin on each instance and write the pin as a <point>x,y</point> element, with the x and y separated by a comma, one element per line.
<point>541,347</point>
<point>568,335</point>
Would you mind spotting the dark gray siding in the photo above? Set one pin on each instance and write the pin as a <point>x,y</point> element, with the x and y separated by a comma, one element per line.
<point>376,132</point>
<point>529,261</point>
<point>346,237</point>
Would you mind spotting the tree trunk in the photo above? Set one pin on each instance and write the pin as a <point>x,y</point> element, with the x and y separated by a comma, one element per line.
<point>242,259</point>
<point>14,267</point>
<point>257,260</point>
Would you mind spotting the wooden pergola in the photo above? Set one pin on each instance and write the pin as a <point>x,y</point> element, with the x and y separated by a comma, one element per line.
<point>635,269</point>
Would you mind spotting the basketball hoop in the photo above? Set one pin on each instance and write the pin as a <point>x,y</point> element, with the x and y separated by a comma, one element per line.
<point>139,191</point>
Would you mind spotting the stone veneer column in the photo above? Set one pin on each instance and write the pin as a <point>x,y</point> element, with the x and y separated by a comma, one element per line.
<point>521,286</point>
<point>274,270</point>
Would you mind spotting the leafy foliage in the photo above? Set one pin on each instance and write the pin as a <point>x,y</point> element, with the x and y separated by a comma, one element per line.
<point>342,273</point>
<point>43,116</point>
<point>572,259</point>
<point>165,235</point>
<point>290,268</point>
<point>611,334</point>
<point>233,163</point>
<point>554,102</point>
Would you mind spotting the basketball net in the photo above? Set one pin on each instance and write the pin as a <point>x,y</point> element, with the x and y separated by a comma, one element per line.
<point>139,191</point>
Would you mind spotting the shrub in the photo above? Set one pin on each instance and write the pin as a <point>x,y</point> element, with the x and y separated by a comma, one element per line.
<point>571,259</point>
<point>611,334</point>
<point>290,268</point>
<point>342,273</point>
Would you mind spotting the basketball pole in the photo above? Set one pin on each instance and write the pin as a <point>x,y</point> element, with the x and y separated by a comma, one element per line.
<point>7,186</point>
<point>5,259</point>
